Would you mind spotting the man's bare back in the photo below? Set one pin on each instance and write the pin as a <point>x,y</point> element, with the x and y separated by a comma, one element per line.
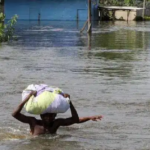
<point>48,124</point>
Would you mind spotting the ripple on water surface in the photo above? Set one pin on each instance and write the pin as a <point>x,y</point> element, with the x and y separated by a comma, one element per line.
<point>108,76</point>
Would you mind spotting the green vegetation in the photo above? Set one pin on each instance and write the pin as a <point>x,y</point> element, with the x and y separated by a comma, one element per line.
<point>147,18</point>
<point>122,2</point>
<point>117,2</point>
<point>7,30</point>
<point>130,2</point>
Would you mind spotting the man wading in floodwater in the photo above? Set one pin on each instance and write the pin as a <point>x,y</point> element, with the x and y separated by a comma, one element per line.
<point>48,124</point>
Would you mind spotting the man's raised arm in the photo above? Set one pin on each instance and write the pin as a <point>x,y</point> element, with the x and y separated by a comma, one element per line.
<point>68,121</point>
<point>16,114</point>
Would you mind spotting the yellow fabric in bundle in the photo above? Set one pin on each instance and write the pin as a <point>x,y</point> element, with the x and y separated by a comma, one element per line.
<point>36,105</point>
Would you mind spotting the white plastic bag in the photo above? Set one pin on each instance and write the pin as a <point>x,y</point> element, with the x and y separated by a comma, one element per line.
<point>47,100</point>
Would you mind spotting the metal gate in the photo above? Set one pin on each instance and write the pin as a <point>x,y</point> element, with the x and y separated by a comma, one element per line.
<point>46,9</point>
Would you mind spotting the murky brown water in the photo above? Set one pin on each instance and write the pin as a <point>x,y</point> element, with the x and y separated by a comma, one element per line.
<point>111,78</point>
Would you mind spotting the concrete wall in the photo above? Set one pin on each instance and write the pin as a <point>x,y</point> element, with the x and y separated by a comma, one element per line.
<point>46,9</point>
<point>120,14</point>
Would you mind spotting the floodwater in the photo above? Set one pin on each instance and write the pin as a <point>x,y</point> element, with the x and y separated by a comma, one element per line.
<point>107,74</point>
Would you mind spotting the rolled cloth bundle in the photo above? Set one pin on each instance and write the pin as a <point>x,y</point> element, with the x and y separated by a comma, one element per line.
<point>47,100</point>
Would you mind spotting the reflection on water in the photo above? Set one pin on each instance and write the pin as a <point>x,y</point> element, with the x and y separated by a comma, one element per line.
<point>106,73</point>
<point>121,39</point>
<point>119,36</point>
<point>105,35</point>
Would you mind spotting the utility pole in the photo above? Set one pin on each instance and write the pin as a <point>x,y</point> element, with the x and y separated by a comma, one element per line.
<point>88,22</point>
<point>89,17</point>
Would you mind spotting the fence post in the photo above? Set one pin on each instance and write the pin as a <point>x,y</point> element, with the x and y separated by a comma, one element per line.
<point>143,14</point>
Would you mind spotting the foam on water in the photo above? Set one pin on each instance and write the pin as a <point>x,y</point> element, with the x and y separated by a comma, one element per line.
<point>11,134</point>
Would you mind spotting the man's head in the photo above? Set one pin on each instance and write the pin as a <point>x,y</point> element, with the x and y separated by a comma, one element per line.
<point>48,117</point>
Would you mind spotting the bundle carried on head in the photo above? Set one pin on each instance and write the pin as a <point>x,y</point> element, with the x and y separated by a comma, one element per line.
<point>47,100</point>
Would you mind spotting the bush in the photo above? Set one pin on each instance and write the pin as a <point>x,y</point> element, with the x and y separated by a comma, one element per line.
<point>7,30</point>
<point>120,2</point>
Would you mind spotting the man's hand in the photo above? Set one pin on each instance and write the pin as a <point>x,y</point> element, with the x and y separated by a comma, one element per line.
<point>93,118</point>
<point>66,95</point>
<point>34,93</point>
<point>96,118</point>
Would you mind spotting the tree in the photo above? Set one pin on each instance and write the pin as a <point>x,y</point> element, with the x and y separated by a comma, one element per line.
<point>7,30</point>
<point>120,2</point>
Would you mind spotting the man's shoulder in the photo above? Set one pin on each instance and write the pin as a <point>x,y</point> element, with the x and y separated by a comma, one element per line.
<point>58,121</point>
<point>35,121</point>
